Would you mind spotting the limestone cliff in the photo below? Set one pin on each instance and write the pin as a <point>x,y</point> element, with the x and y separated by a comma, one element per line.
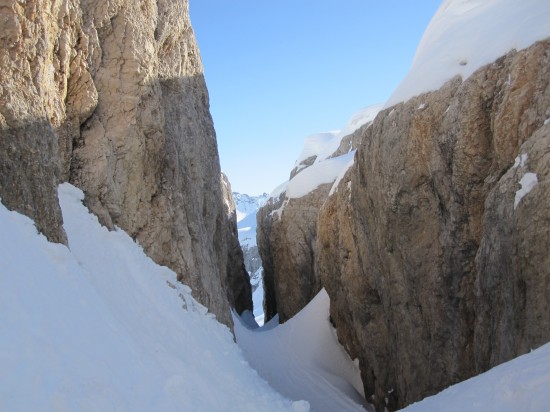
<point>240,290</point>
<point>110,96</point>
<point>287,236</point>
<point>288,243</point>
<point>433,250</point>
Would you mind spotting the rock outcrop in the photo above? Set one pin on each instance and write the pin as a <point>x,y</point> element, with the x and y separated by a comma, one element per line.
<point>433,250</point>
<point>247,206</point>
<point>287,238</point>
<point>110,96</point>
<point>266,240</point>
<point>39,51</point>
<point>292,242</point>
<point>239,290</point>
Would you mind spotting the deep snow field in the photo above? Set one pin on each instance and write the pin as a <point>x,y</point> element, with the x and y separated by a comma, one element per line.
<point>98,326</point>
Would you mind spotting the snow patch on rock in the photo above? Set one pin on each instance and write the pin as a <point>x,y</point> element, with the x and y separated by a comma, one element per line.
<point>527,182</point>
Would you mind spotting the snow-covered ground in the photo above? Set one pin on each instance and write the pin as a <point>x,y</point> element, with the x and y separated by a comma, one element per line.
<point>523,384</point>
<point>465,35</point>
<point>302,358</point>
<point>98,326</point>
<point>326,167</point>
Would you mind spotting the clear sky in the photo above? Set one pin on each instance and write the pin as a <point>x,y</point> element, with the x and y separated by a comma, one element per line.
<point>278,71</point>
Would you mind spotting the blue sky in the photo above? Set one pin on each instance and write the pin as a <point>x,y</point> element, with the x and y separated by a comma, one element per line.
<point>278,71</point>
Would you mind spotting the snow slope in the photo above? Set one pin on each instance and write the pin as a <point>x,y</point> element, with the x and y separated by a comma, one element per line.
<point>99,326</point>
<point>523,384</point>
<point>318,173</point>
<point>302,358</point>
<point>247,206</point>
<point>465,35</point>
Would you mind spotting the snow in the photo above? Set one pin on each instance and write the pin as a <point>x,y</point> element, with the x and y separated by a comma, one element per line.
<point>315,144</point>
<point>317,174</point>
<point>518,385</point>
<point>247,230</point>
<point>247,207</point>
<point>99,326</point>
<point>465,35</point>
<point>326,167</point>
<point>324,145</point>
<point>258,296</point>
<point>341,175</point>
<point>520,160</point>
<point>359,118</point>
<point>527,182</point>
<point>302,358</point>
<point>278,191</point>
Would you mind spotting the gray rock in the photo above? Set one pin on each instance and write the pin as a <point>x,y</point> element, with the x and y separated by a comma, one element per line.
<point>433,275</point>
<point>239,291</point>
<point>287,239</point>
<point>113,99</point>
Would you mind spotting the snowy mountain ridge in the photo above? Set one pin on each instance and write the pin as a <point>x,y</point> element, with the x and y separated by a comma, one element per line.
<point>467,34</point>
<point>247,205</point>
<point>99,326</point>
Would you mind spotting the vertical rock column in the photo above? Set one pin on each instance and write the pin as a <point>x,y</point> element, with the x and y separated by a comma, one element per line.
<point>110,96</point>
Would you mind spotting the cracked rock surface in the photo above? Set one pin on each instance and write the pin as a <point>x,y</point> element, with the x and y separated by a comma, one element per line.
<point>110,96</point>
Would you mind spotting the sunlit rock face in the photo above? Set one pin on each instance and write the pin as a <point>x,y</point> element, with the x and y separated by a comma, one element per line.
<point>433,249</point>
<point>110,95</point>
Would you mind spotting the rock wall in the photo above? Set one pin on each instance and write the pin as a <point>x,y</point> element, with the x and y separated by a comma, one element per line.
<point>240,289</point>
<point>266,240</point>
<point>252,260</point>
<point>287,239</point>
<point>110,96</point>
<point>292,240</point>
<point>436,271</point>
<point>38,54</point>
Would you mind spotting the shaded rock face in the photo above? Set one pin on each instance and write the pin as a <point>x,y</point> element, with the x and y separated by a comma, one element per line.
<point>433,274</point>
<point>239,290</point>
<point>110,96</point>
<point>288,243</point>
<point>39,51</point>
<point>287,239</point>
<point>252,260</point>
<point>265,218</point>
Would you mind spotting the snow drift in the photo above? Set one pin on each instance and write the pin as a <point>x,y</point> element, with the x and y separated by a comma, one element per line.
<point>100,326</point>
<point>465,35</point>
<point>303,359</point>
